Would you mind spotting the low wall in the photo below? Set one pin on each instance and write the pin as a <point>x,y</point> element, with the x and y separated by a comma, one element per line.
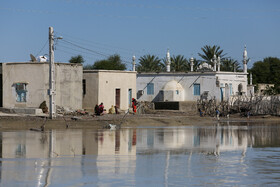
<point>184,106</point>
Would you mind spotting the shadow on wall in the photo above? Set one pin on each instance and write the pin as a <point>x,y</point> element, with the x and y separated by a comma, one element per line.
<point>159,97</point>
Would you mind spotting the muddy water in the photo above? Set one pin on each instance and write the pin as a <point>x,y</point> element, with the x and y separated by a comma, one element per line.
<point>222,154</point>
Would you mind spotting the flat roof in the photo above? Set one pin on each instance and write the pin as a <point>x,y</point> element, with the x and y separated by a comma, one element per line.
<point>193,73</point>
<point>108,71</point>
<point>20,63</point>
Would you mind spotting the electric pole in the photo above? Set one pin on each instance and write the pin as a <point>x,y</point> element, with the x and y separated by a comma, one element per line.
<point>51,90</point>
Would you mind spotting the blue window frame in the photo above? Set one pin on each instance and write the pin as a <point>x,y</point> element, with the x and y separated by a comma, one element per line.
<point>21,92</point>
<point>230,89</point>
<point>196,89</point>
<point>150,89</point>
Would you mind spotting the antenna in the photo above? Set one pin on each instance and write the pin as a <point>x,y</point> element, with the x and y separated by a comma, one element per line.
<point>33,59</point>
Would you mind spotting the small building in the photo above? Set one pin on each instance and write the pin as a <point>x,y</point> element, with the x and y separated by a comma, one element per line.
<point>112,87</point>
<point>25,85</point>
<point>206,82</point>
<point>262,87</point>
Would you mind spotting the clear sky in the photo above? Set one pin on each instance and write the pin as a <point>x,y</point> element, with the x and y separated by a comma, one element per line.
<point>100,28</point>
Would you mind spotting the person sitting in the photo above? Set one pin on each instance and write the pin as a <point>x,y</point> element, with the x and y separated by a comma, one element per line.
<point>116,110</point>
<point>96,110</point>
<point>101,108</point>
<point>112,110</point>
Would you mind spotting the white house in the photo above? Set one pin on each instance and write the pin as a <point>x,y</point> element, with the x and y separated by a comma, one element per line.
<point>207,81</point>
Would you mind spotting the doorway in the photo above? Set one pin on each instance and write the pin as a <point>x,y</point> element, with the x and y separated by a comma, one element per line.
<point>118,97</point>
<point>129,97</point>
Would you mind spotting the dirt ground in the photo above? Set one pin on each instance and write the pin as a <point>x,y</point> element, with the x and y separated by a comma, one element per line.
<point>154,119</point>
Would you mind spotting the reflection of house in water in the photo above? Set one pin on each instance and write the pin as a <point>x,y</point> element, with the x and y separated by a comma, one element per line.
<point>115,150</point>
<point>42,157</point>
<point>109,142</point>
<point>197,139</point>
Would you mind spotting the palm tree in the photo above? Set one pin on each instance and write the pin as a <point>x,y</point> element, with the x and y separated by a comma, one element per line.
<point>229,64</point>
<point>179,63</point>
<point>149,63</point>
<point>209,52</point>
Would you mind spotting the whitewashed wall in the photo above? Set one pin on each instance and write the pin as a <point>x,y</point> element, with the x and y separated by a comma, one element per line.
<point>207,80</point>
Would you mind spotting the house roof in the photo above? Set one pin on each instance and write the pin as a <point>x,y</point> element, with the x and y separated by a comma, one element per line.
<point>36,63</point>
<point>108,71</point>
<point>192,73</point>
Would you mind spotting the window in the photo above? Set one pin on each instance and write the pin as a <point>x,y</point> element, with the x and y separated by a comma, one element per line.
<point>21,92</point>
<point>150,89</point>
<point>196,89</point>
<point>230,89</point>
<point>84,86</point>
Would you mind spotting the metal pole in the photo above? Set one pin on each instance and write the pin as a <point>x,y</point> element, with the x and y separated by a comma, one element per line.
<point>51,90</point>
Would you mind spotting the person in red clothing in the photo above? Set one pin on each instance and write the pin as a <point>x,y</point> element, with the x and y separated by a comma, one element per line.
<point>101,108</point>
<point>134,105</point>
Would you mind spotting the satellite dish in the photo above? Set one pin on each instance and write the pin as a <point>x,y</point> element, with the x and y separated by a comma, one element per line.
<point>42,59</point>
<point>33,59</point>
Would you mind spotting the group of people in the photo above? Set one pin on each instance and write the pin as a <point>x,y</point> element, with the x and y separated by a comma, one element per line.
<point>99,109</point>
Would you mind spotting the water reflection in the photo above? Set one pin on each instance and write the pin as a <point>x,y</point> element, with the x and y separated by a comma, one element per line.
<point>82,156</point>
<point>195,139</point>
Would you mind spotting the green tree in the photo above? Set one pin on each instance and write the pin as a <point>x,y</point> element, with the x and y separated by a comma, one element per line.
<point>77,59</point>
<point>229,64</point>
<point>267,71</point>
<point>179,64</point>
<point>113,62</point>
<point>149,63</point>
<point>209,52</point>
<point>88,67</point>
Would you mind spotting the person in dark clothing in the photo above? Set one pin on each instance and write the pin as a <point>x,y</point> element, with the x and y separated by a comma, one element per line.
<point>96,110</point>
<point>116,110</point>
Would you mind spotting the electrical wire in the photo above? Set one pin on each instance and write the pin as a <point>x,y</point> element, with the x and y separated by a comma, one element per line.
<point>93,43</point>
<point>81,47</point>
<point>90,50</point>
<point>42,48</point>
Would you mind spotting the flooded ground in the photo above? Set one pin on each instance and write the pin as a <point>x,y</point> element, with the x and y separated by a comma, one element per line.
<point>220,154</point>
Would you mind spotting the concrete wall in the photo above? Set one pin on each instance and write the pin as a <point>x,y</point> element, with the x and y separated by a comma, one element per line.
<point>207,80</point>
<point>69,90</point>
<point>90,98</point>
<point>102,84</point>
<point>68,86</point>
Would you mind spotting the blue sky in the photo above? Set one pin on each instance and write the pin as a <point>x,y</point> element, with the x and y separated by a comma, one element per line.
<point>137,27</point>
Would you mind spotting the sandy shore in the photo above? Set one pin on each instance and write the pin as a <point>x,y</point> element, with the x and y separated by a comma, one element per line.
<point>155,119</point>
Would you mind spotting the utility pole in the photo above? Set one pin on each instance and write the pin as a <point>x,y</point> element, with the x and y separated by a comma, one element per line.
<point>51,90</point>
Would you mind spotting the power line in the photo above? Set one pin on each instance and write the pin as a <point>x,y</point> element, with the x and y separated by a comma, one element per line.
<point>90,50</point>
<point>42,48</point>
<point>76,50</point>
<point>93,43</point>
<point>87,57</point>
<point>98,53</point>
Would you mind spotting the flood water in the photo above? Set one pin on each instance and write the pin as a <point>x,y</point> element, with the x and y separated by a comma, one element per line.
<point>217,155</point>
